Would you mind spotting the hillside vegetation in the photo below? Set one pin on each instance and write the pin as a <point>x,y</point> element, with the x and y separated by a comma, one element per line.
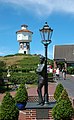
<point>11,59</point>
<point>21,67</point>
<point>19,59</point>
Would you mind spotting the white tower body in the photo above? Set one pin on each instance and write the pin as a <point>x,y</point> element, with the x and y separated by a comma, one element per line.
<point>24,37</point>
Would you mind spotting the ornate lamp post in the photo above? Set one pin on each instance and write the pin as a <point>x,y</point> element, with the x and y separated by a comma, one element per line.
<point>46,34</point>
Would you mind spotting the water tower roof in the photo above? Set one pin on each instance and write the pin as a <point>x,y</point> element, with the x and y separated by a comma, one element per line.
<point>24,30</point>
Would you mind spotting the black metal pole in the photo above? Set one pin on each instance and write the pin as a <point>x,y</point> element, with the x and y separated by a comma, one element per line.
<point>46,77</point>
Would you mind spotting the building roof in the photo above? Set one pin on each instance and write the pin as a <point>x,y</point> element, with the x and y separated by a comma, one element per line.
<point>64,52</point>
<point>24,30</point>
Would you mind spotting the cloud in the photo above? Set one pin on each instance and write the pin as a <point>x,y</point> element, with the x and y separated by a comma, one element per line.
<point>6,51</point>
<point>42,7</point>
<point>2,53</point>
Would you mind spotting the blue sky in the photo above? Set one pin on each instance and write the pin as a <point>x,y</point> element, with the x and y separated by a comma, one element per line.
<point>58,13</point>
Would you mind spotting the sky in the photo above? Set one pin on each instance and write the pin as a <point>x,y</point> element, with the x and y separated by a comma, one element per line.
<point>59,14</point>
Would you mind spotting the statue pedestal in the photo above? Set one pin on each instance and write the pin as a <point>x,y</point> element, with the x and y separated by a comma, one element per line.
<point>40,112</point>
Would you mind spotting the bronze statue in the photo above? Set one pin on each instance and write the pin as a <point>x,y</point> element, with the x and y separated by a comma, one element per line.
<point>40,71</point>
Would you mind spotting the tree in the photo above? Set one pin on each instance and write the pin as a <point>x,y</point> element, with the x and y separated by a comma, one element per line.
<point>2,64</point>
<point>21,97</point>
<point>21,94</point>
<point>58,91</point>
<point>2,67</point>
<point>8,109</point>
<point>63,109</point>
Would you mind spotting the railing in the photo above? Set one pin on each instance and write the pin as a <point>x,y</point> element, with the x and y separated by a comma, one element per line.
<point>35,98</point>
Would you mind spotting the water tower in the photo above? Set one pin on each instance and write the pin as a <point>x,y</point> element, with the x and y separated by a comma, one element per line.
<point>24,37</point>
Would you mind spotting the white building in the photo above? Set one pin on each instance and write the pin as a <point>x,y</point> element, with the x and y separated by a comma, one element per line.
<point>24,37</point>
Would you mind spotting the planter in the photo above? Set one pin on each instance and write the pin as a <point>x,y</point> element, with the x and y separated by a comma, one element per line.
<point>21,106</point>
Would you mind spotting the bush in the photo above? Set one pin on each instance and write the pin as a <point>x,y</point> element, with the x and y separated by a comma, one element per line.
<point>50,74</point>
<point>8,109</point>
<point>70,70</point>
<point>58,91</point>
<point>63,109</point>
<point>23,77</point>
<point>21,94</point>
<point>50,77</point>
<point>2,67</point>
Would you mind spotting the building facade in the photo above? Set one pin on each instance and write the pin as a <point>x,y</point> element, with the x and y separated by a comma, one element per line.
<point>64,54</point>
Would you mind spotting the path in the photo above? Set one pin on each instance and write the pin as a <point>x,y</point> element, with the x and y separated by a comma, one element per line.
<point>68,84</point>
<point>32,91</point>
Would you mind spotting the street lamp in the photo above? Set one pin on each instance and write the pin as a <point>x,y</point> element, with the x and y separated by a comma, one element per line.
<point>46,34</point>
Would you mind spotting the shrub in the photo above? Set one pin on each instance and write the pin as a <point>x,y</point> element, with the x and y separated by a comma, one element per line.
<point>21,94</point>
<point>8,109</point>
<point>50,74</point>
<point>50,77</point>
<point>70,70</point>
<point>2,67</point>
<point>58,91</point>
<point>25,77</point>
<point>63,109</point>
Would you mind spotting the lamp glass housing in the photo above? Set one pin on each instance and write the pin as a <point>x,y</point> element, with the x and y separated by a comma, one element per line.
<point>46,34</point>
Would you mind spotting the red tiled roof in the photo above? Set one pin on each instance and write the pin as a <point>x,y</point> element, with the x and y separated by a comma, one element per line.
<point>24,30</point>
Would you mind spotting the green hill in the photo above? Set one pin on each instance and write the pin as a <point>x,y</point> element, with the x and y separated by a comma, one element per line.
<point>22,67</point>
<point>20,59</point>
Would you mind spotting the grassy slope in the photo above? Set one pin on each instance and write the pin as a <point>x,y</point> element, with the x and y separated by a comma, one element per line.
<point>18,63</point>
<point>20,60</point>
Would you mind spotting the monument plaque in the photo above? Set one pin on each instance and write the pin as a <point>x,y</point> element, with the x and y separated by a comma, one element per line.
<point>42,114</point>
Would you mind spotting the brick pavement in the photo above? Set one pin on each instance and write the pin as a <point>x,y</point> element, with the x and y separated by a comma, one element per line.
<point>32,91</point>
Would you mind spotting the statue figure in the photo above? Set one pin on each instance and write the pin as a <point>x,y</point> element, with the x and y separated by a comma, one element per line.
<point>40,71</point>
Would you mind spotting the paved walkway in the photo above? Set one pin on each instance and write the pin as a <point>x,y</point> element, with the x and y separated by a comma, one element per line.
<point>32,91</point>
<point>68,84</point>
